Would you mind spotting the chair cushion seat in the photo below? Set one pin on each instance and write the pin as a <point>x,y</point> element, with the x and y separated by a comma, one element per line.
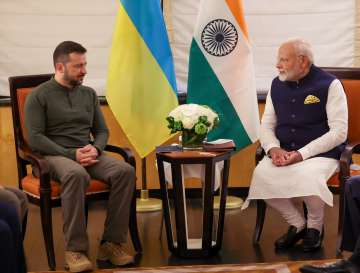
<point>31,185</point>
<point>334,179</point>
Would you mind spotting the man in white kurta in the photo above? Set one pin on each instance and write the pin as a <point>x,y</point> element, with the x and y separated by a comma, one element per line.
<point>303,130</point>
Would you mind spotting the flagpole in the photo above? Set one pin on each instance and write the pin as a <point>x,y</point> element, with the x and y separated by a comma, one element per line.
<point>153,83</point>
<point>144,203</point>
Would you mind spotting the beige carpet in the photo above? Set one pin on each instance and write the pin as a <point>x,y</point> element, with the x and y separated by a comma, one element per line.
<point>290,267</point>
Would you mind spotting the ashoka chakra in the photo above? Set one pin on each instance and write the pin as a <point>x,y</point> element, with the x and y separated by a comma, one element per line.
<point>219,37</point>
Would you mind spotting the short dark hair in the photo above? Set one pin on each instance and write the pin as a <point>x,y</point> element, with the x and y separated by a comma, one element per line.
<point>62,51</point>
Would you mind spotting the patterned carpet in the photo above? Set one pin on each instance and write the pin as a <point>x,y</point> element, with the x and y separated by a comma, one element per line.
<point>290,267</point>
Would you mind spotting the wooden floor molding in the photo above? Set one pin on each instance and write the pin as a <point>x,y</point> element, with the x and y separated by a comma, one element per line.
<point>289,267</point>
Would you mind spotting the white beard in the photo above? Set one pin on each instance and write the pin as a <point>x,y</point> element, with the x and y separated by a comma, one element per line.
<point>288,76</point>
<point>282,77</point>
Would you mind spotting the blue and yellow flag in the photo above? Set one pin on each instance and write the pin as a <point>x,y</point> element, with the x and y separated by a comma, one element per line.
<point>141,87</point>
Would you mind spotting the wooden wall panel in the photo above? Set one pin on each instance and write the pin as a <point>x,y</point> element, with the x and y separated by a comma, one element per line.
<point>357,34</point>
<point>8,169</point>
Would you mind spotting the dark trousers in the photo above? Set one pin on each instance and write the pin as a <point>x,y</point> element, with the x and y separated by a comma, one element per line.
<point>12,258</point>
<point>351,230</point>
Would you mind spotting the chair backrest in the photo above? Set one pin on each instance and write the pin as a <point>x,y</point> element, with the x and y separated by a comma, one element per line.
<point>350,79</point>
<point>20,87</point>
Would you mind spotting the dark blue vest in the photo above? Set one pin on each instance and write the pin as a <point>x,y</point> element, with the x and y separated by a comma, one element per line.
<point>298,122</point>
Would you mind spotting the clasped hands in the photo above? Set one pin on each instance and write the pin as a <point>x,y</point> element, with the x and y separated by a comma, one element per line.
<point>86,156</point>
<point>280,157</point>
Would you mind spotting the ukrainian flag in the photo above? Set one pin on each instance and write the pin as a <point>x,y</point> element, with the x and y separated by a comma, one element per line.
<point>141,87</point>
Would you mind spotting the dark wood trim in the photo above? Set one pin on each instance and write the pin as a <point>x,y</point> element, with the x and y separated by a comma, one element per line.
<point>6,101</point>
<point>344,72</point>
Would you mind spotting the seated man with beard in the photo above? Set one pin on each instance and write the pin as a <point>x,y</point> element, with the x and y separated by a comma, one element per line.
<point>303,130</point>
<point>62,116</point>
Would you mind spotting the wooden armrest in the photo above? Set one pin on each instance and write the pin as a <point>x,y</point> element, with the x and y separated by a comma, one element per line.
<point>40,164</point>
<point>346,158</point>
<point>260,153</point>
<point>126,153</point>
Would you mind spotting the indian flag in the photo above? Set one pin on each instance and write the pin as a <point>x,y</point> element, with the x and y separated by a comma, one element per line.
<point>221,72</point>
<point>141,87</point>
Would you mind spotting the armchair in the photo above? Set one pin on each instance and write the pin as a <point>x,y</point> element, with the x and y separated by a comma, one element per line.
<point>41,190</point>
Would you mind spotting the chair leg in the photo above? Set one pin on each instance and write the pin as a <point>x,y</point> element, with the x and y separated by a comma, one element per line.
<point>260,217</point>
<point>133,227</point>
<point>46,222</point>
<point>342,205</point>
<point>305,210</point>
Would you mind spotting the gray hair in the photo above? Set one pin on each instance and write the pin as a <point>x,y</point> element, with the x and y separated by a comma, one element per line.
<point>302,47</point>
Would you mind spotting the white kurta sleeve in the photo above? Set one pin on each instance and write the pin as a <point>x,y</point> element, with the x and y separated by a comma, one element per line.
<point>337,114</point>
<point>268,139</point>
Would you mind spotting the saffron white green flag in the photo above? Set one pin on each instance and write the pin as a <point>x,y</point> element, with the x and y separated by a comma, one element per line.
<point>221,72</point>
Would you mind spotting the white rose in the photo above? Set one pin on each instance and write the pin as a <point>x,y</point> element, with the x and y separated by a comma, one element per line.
<point>188,122</point>
<point>176,114</point>
<point>188,110</point>
<point>189,114</point>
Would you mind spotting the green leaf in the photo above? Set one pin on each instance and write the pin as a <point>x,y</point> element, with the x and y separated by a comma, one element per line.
<point>200,129</point>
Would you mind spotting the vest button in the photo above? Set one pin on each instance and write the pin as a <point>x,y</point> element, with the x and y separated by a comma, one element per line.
<point>293,116</point>
<point>293,100</point>
<point>292,130</point>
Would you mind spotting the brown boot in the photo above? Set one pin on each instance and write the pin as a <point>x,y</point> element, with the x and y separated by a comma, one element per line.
<point>114,253</point>
<point>77,261</point>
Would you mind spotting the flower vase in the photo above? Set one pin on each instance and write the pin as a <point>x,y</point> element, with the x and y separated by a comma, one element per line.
<point>190,140</point>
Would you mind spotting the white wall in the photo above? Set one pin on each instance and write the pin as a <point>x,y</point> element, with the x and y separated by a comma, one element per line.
<point>327,24</point>
<point>30,30</point>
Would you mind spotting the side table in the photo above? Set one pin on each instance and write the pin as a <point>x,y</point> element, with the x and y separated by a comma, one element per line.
<point>184,246</point>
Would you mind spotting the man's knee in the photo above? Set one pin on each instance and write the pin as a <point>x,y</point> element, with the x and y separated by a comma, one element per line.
<point>123,173</point>
<point>123,169</point>
<point>76,177</point>
<point>66,170</point>
<point>129,170</point>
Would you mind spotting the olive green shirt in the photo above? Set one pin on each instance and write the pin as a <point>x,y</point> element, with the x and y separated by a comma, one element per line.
<point>59,119</point>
